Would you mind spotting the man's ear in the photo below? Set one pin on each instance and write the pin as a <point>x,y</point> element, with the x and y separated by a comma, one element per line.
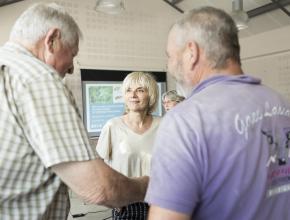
<point>193,50</point>
<point>51,39</point>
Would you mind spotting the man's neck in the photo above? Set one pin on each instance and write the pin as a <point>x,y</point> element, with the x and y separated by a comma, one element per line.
<point>35,49</point>
<point>232,68</point>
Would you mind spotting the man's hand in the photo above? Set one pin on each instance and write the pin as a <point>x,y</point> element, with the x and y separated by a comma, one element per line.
<point>97,183</point>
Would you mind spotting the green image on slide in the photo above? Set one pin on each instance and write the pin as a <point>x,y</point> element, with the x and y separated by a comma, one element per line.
<point>101,95</point>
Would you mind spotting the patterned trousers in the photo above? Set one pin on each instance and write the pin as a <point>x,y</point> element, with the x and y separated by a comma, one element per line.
<point>134,211</point>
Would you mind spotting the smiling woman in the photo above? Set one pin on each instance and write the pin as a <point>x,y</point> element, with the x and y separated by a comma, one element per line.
<point>126,141</point>
<point>136,98</point>
<point>138,85</point>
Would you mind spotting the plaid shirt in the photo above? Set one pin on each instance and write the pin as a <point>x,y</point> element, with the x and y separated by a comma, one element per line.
<point>40,126</point>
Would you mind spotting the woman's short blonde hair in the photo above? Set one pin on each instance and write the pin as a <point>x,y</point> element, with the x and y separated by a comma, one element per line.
<point>145,80</point>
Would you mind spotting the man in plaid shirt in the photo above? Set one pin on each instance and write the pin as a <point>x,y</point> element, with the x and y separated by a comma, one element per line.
<point>44,146</point>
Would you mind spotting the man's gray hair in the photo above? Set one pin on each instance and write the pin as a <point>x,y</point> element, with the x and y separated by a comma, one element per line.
<point>37,20</point>
<point>214,31</point>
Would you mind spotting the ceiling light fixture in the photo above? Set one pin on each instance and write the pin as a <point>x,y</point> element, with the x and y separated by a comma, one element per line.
<point>240,17</point>
<point>110,6</point>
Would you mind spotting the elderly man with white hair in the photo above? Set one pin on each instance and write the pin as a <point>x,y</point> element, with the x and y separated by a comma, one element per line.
<point>44,146</point>
<point>223,153</point>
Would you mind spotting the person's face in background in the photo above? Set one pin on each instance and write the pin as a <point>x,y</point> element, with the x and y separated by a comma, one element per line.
<point>168,104</point>
<point>137,98</point>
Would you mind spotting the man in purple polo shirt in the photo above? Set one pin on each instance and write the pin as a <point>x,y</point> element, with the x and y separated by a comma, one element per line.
<point>224,152</point>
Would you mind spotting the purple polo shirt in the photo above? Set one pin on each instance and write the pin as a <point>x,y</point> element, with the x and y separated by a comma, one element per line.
<point>224,154</point>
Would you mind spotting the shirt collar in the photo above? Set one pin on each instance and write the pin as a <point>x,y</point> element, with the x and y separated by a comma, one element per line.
<point>14,47</point>
<point>225,78</point>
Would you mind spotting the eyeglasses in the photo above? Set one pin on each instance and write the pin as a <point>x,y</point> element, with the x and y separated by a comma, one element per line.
<point>168,102</point>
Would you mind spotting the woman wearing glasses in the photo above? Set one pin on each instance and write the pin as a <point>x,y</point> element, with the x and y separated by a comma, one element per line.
<point>171,99</point>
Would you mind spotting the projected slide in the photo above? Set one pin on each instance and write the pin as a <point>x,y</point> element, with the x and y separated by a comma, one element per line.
<point>105,102</point>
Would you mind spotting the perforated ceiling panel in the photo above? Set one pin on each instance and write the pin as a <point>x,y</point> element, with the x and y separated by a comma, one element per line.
<point>134,39</point>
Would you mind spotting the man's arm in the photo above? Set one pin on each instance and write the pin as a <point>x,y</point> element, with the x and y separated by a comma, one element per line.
<point>97,183</point>
<point>157,213</point>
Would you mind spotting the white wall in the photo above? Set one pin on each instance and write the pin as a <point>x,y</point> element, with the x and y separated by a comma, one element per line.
<point>267,56</point>
<point>136,40</point>
<point>8,15</point>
